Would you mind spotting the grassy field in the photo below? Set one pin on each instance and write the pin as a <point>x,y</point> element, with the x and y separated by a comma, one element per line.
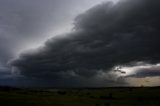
<point>81,97</point>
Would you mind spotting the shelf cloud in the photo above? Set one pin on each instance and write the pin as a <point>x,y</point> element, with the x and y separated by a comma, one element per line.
<point>103,37</point>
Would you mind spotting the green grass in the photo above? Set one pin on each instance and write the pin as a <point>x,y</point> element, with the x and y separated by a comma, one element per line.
<point>81,97</point>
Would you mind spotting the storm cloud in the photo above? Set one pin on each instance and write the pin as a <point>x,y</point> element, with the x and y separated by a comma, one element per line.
<point>25,24</point>
<point>103,37</point>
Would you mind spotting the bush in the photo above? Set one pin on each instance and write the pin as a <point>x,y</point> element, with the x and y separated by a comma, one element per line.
<point>61,92</point>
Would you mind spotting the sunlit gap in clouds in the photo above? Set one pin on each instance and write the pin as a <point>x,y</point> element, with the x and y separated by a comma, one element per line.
<point>124,71</point>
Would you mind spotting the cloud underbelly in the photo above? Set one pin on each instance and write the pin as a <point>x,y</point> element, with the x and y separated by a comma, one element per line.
<point>105,36</point>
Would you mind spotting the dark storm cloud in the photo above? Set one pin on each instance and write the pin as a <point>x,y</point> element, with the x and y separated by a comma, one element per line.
<point>5,75</point>
<point>4,72</point>
<point>23,22</point>
<point>104,36</point>
<point>26,23</point>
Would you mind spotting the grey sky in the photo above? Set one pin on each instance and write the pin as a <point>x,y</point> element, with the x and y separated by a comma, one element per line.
<point>79,40</point>
<point>26,24</point>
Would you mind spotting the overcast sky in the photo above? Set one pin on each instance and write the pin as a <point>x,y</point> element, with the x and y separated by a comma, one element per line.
<point>79,43</point>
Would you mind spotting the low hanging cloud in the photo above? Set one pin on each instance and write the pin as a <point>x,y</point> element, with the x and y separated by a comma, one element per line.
<point>105,36</point>
<point>26,23</point>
